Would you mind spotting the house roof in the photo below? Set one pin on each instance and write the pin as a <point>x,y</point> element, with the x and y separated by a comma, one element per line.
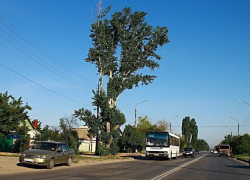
<point>83,133</point>
<point>28,123</point>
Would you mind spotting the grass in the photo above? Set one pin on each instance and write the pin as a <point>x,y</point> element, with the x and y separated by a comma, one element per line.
<point>96,158</point>
<point>243,157</point>
<point>10,154</point>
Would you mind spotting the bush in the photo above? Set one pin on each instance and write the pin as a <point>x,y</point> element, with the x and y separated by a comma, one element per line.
<point>103,152</point>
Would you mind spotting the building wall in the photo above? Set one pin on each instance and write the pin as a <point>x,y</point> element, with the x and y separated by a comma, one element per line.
<point>85,146</point>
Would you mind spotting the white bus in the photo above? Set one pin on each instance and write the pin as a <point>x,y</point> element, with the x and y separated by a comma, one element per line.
<point>162,145</point>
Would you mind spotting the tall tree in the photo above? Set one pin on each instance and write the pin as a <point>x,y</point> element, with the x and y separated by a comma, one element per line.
<point>190,131</point>
<point>12,113</point>
<point>186,129</point>
<point>123,46</point>
<point>194,133</point>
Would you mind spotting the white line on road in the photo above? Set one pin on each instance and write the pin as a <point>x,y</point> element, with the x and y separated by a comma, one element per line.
<point>176,169</point>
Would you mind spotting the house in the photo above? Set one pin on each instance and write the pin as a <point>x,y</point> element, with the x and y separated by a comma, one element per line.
<point>6,144</point>
<point>87,141</point>
<point>32,129</point>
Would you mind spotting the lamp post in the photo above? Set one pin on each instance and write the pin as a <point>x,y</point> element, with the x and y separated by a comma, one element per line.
<point>238,125</point>
<point>170,123</point>
<point>244,103</point>
<point>135,111</point>
<point>231,133</point>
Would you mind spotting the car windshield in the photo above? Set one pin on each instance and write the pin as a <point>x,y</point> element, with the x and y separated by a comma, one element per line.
<point>224,147</point>
<point>46,146</point>
<point>188,149</point>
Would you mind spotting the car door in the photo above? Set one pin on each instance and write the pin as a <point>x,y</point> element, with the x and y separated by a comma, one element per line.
<point>59,154</point>
<point>67,152</point>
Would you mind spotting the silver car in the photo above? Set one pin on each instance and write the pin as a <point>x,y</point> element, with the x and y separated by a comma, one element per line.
<point>48,153</point>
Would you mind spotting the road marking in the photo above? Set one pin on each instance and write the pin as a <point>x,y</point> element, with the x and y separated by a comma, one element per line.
<point>176,169</point>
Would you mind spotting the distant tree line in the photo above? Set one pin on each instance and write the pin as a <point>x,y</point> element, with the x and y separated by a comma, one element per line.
<point>239,144</point>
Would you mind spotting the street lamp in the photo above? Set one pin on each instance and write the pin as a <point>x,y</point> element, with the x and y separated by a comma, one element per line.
<point>170,123</point>
<point>243,102</point>
<point>135,111</point>
<point>231,133</point>
<point>238,124</point>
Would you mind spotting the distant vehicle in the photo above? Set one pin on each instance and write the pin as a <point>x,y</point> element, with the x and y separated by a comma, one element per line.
<point>162,145</point>
<point>211,151</point>
<point>48,153</point>
<point>188,151</point>
<point>225,149</point>
<point>197,151</point>
<point>215,152</point>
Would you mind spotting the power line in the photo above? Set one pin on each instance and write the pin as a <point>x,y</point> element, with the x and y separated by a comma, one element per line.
<point>33,45</point>
<point>65,77</point>
<point>42,85</point>
<point>39,69</point>
<point>216,126</point>
<point>35,57</point>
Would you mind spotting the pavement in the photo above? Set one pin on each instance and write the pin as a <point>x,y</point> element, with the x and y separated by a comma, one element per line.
<point>9,162</point>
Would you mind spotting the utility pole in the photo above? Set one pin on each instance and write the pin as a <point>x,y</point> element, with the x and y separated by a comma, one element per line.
<point>135,112</point>
<point>97,116</point>
<point>170,123</point>
<point>238,125</point>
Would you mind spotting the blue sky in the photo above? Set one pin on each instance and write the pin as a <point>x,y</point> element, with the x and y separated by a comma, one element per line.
<point>204,69</point>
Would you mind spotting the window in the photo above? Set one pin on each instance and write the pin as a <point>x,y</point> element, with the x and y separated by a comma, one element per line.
<point>65,147</point>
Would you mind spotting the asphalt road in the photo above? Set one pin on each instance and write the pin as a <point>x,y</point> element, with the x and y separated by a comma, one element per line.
<point>203,166</point>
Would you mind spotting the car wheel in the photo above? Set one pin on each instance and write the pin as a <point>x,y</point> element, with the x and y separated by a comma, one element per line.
<point>69,161</point>
<point>50,164</point>
<point>192,156</point>
<point>150,158</point>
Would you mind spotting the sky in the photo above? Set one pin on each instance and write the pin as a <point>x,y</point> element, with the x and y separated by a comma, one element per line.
<point>203,72</point>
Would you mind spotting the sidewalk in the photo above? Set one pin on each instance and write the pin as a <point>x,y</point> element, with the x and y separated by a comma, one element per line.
<point>9,162</point>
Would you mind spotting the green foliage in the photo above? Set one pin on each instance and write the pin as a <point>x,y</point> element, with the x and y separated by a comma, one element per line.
<point>107,115</point>
<point>22,142</point>
<point>48,134</point>
<point>122,46</point>
<point>102,151</point>
<point>202,145</point>
<point>190,131</point>
<point>183,143</point>
<point>239,144</point>
<point>68,135</point>
<point>145,125</point>
<point>227,139</point>
<point>132,139</point>
<point>12,113</point>
<point>126,33</point>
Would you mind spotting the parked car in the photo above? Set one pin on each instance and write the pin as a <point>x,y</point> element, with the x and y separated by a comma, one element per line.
<point>48,153</point>
<point>197,151</point>
<point>215,152</point>
<point>188,151</point>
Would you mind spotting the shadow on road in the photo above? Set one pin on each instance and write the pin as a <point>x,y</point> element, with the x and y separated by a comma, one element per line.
<point>37,167</point>
<point>241,167</point>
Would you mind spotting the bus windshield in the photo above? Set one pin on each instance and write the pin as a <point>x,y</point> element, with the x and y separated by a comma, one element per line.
<point>157,139</point>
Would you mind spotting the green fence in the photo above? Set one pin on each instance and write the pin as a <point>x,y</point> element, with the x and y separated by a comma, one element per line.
<point>6,144</point>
